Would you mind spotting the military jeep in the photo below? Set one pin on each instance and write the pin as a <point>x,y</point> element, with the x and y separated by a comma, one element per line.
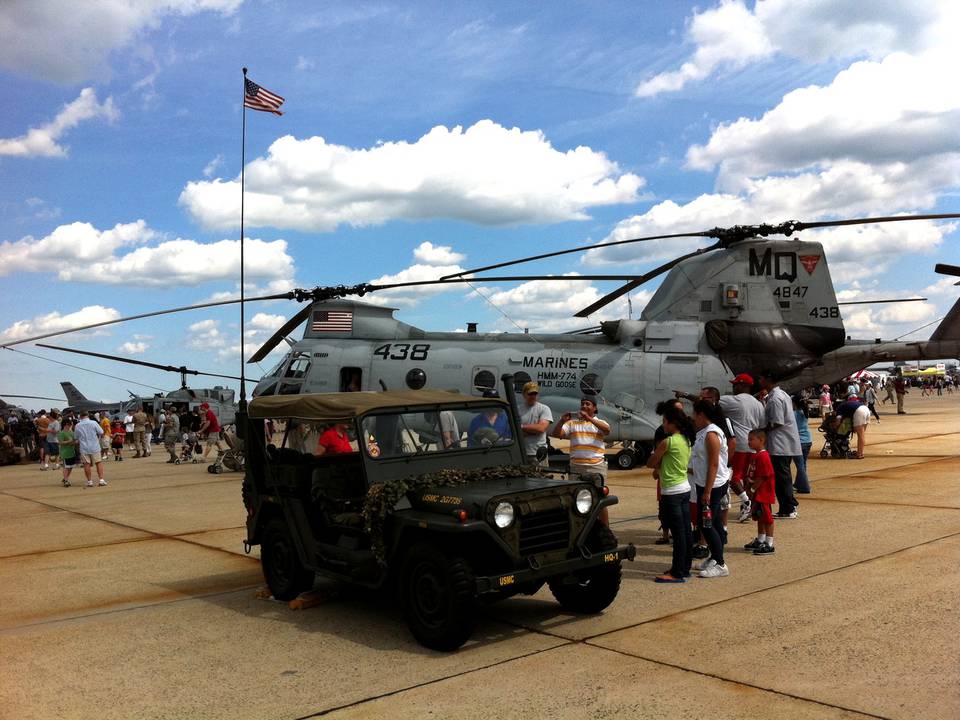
<point>436,500</point>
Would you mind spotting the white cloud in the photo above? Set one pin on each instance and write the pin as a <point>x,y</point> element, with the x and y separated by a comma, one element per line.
<point>133,348</point>
<point>547,306</point>
<point>903,110</point>
<point>79,252</point>
<point>42,141</point>
<point>211,167</point>
<point>207,335</point>
<point>48,40</point>
<point>304,63</point>
<point>730,36</point>
<point>407,297</point>
<point>486,174</point>
<point>76,243</point>
<point>943,286</point>
<point>54,321</point>
<point>432,254</point>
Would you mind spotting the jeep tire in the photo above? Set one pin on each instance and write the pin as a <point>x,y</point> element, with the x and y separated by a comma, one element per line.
<point>285,574</point>
<point>438,597</point>
<point>596,587</point>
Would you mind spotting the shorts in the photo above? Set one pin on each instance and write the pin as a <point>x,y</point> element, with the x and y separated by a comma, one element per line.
<point>52,448</point>
<point>739,464</point>
<point>578,470</point>
<point>762,512</point>
<point>861,416</point>
<point>117,443</point>
<point>90,458</point>
<point>104,442</point>
<point>69,462</point>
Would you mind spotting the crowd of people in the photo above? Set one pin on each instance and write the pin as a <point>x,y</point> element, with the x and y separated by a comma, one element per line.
<point>745,443</point>
<point>61,441</point>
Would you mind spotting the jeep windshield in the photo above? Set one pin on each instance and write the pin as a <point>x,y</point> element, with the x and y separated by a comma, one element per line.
<point>436,430</point>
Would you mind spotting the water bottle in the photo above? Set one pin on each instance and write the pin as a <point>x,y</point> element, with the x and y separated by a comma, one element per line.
<point>707,517</point>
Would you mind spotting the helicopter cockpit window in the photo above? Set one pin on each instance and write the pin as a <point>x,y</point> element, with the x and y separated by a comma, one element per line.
<point>297,369</point>
<point>392,435</point>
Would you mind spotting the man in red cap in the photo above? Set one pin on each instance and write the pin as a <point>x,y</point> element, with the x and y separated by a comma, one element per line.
<point>210,426</point>
<point>745,413</point>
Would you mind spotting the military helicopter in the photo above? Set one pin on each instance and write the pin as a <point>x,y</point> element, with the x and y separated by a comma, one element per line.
<point>220,399</point>
<point>744,303</point>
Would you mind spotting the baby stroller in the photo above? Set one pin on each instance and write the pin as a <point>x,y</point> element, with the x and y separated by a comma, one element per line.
<point>231,458</point>
<point>190,452</point>
<point>836,436</point>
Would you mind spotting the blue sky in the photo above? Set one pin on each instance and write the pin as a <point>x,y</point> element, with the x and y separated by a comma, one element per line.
<point>419,137</point>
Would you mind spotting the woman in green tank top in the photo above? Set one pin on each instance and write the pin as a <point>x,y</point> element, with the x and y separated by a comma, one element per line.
<point>671,459</point>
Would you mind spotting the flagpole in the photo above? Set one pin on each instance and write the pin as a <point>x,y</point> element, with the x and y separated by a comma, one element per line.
<point>242,405</point>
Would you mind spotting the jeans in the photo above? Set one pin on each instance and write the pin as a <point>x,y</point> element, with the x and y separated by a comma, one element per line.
<point>712,534</point>
<point>802,483</point>
<point>786,503</point>
<point>675,510</point>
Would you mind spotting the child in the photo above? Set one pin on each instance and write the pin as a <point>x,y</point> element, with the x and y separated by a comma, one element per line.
<point>759,479</point>
<point>68,449</point>
<point>119,434</point>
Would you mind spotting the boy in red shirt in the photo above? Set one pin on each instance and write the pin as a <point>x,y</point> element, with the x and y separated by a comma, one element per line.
<point>761,486</point>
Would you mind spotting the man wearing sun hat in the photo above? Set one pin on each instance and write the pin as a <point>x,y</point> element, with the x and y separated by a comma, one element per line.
<point>745,413</point>
<point>535,418</point>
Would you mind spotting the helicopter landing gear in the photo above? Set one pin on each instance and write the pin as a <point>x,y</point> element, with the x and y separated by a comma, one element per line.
<point>632,455</point>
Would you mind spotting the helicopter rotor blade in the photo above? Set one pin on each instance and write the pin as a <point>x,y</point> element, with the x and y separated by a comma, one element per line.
<point>200,306</point>
<point>557,253</point>
<point>144,363</point>
<point>637,282</point>
<point>280,334</point>
<point>875,302</point>
<point>944,269</point>
<point>31,397</point>
<point>725,235</point>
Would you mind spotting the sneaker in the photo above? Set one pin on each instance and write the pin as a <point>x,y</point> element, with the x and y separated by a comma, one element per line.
<point>103,483</point>
<point>753,544</point>
<point>765,549</point>
<point>89,483</point>
<point>715,571</point>
<point>787,516</point>
<point>706,564</point>
<point>745,509</point>
<point>66,483</point>
<point>44,467</point>
<point>700,552</point>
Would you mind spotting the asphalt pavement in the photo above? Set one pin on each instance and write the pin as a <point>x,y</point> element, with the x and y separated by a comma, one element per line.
<point>136,600</point>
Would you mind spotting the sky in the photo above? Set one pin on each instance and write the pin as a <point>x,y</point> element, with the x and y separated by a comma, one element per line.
<point>422,138</point>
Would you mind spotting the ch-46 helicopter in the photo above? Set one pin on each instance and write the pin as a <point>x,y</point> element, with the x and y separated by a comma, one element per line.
<point>744,303</point>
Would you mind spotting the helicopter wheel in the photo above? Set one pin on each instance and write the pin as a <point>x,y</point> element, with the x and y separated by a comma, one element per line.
<point>626,459</point>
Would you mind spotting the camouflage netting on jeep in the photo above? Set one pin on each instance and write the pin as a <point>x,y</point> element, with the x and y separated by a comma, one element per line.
<point>383,497</point>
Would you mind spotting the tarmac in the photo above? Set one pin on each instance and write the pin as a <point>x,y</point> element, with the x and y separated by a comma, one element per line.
<point>136,600</point>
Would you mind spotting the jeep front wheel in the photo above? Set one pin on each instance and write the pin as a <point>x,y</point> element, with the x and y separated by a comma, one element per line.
<point>437,594</point>
<point>591,591</point>
<point>285,574</point>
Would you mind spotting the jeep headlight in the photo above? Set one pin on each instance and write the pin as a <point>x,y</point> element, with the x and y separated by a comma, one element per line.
<point>584,501</point>
<point>503,515</point>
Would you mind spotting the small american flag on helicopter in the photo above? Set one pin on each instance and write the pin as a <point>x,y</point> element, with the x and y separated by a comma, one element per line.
<point>332,321</point>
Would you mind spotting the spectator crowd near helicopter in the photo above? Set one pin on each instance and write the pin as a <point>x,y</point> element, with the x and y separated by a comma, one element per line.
<point>57,440</point>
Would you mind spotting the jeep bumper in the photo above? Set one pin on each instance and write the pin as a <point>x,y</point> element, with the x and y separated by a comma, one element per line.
<point>506,582</point>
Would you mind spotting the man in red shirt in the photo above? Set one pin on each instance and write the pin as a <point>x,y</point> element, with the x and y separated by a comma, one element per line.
<point>210,426</point>
<point>334,441</point>
<point>760,481</point>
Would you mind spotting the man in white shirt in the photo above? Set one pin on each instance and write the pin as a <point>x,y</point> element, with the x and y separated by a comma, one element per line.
<point>87,434</point>
<point>783,442</point>
<point>535,418</point>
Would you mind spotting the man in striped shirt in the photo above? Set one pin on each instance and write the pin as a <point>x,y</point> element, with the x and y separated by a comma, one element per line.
<point>585,432</point>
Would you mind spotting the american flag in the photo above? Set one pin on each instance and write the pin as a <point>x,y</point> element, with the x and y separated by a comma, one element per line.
<point>259,98</point>
<point>332,321</point>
